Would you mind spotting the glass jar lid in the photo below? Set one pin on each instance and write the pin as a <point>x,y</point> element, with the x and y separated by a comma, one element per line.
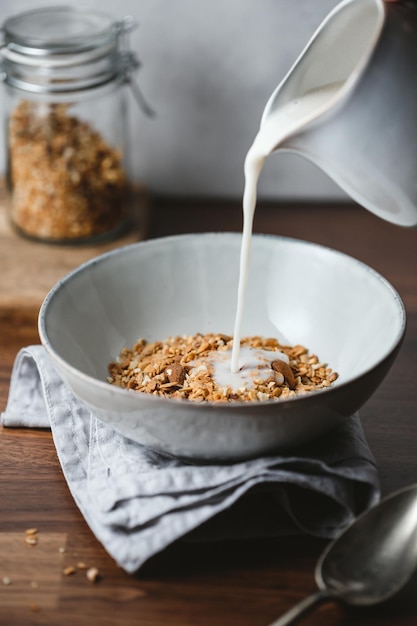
<point>60,49</point>
<point>57,30</point>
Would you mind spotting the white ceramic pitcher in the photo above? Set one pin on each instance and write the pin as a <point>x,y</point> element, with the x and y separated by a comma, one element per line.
<point>366,137</point>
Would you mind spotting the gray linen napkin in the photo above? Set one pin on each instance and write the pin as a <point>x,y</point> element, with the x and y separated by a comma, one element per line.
<point>138,501</point>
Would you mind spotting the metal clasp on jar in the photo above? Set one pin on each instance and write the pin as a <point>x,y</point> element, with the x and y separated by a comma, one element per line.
<point>129,62</point>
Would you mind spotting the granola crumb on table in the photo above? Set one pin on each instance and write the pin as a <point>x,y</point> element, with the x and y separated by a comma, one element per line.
<point>179,367</point>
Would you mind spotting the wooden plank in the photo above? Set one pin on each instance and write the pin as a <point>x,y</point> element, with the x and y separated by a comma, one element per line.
<point>28,269</point>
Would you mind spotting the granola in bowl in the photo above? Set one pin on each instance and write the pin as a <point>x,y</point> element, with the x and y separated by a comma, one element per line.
<point>196,368</point>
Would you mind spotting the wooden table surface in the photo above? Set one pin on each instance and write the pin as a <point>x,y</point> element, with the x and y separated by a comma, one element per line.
<point>245,584</point>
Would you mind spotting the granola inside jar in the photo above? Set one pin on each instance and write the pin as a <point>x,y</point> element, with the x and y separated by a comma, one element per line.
<point>67,173</point>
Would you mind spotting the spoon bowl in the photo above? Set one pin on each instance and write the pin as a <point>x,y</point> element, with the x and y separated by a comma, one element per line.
<point>371,560</point>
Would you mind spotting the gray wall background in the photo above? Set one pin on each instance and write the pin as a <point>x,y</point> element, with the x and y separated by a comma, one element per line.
<point>208,68</point>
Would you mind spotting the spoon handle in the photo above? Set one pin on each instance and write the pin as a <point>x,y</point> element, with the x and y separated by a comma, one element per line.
<point>302,607</point>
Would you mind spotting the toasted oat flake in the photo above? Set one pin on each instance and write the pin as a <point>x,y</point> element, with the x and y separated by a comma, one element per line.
<point>192,367</point>
<point>31,540</point>
<point>68,571</point>
<point>93,575</point>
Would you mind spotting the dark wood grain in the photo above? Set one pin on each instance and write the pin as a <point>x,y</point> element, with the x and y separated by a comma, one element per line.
<point>245,584</point>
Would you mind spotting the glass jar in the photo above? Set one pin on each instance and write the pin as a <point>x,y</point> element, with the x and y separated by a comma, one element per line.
<point>67,169</point>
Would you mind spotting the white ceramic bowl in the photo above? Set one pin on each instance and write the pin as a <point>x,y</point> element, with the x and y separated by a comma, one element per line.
<point>339,308</point>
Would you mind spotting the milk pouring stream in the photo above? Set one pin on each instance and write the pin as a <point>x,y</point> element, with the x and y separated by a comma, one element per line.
<point>276,128</point>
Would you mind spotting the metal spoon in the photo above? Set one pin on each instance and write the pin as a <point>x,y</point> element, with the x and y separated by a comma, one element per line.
<point>371,560</point>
